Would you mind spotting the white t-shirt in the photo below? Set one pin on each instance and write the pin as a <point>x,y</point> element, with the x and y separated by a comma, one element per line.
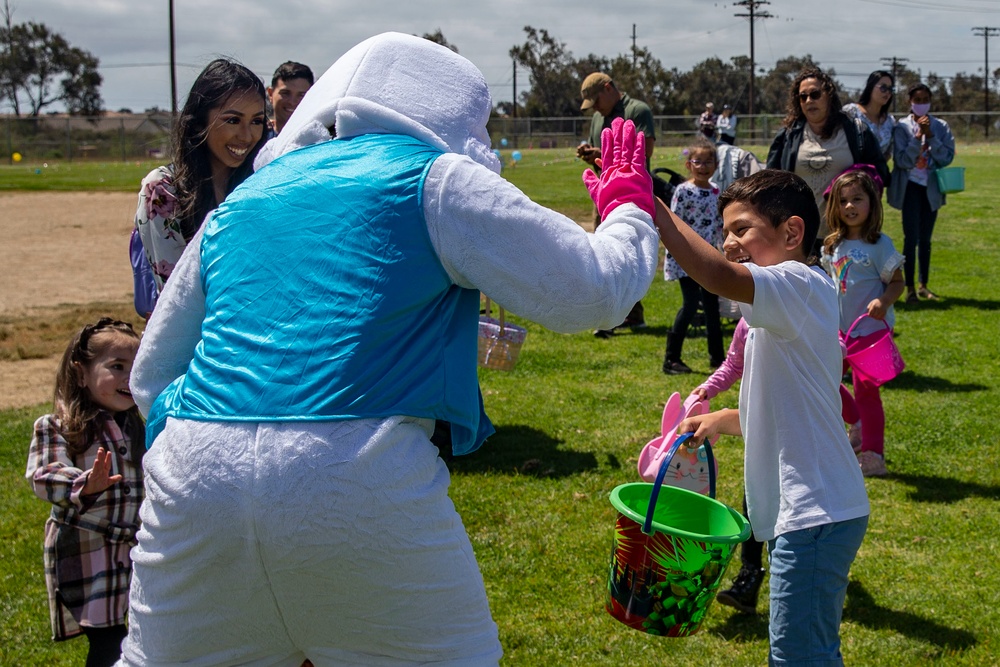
<point>799,467</point>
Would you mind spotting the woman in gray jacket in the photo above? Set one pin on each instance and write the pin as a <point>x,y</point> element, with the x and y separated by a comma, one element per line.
<point>922,145</point>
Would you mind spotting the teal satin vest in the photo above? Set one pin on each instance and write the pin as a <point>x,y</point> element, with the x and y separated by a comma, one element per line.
<point>326,301</point>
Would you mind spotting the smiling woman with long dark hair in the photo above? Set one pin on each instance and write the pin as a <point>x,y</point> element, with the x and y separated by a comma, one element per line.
<point>215,139</point>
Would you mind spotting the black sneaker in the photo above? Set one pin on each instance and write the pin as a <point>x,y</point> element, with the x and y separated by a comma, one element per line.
<point>743,593</point>
<point>603,333</point>
<point>675,368</point>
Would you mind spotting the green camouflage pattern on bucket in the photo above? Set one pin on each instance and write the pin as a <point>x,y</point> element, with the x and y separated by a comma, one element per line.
<point>662,584</point>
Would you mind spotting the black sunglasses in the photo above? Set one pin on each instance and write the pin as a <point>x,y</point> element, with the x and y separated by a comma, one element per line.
<point>814,95</point>
<point>884,88</point>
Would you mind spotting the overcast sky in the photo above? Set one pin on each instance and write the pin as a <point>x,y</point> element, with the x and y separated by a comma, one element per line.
<point>853,37</point>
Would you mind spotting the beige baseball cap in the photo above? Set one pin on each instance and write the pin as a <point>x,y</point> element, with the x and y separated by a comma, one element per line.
<point>591,88</point>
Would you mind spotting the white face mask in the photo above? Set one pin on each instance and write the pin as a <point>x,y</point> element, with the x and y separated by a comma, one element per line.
<point>920,109</point>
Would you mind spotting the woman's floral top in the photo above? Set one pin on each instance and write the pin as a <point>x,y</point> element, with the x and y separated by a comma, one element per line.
<point>882,131</point>
<point>156,220</point>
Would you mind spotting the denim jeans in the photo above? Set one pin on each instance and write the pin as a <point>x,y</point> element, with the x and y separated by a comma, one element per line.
<point>809,571</point>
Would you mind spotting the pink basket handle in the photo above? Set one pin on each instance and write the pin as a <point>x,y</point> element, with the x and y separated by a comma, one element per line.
<point>847,335</point>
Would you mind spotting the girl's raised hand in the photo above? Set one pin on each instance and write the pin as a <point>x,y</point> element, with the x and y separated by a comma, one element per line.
<point>99,479</point>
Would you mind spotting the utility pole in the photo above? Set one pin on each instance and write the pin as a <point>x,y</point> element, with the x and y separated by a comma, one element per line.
<point>753,14</point>
<point>895,64</point>
<point>633,46</point>
<point>986,32</point>
<point>513,106</point>
<point>173,66</point>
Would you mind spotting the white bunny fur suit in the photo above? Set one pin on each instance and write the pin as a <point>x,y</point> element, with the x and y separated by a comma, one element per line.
<point>266,543</point>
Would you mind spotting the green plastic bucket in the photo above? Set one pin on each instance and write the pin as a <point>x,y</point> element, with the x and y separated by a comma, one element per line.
<point>950,179</point>
<point>670,551</point>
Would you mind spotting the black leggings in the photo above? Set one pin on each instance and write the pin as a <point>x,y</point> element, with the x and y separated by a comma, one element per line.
<point>694,294</point>
<point>918,226</point>
<point>751,551</point>
<point>105,645</point>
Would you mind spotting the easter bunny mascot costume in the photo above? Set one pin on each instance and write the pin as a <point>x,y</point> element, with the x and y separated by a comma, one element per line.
<point>322,320</point>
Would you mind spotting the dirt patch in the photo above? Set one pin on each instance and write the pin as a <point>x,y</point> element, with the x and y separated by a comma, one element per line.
<point>62,251</point>
<point>63,263</point>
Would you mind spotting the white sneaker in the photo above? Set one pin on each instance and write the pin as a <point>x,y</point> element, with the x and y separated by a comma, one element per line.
<point>872,464</point>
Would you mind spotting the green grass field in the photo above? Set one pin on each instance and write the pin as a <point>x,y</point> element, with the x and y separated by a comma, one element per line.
<point>572,417</point>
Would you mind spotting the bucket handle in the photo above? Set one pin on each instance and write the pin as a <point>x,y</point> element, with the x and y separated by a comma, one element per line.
<point>489,313</point>
<point>647,525</point>
<point>847,335</point>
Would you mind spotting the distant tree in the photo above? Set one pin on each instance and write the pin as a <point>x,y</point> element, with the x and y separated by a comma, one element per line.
<point>553,75</point>
<point>647,80</point>
<point>715,81</point>
<point>41,66</point>
<point>12,70</point>
<point>438,38</point>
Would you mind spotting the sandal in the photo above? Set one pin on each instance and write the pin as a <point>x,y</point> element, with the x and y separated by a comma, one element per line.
<point>925,293</point>
<point>911,297</point>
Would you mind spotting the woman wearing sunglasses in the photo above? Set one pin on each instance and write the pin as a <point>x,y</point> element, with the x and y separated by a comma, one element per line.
<point>818,140</point>
<point>873,108</point>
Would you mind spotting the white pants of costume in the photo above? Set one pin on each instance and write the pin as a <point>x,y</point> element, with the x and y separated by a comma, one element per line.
<point>264,544</point>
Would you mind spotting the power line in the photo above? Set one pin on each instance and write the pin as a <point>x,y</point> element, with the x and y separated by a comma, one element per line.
<point>934,6</point>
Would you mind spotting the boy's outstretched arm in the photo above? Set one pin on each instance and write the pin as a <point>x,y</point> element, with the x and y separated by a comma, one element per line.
<point>701,260</point>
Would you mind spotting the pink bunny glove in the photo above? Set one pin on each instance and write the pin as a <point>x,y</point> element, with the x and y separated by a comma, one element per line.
<point>624,178</point>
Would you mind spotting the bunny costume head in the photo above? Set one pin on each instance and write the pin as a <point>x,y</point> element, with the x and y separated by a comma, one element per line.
<point>395,84</point>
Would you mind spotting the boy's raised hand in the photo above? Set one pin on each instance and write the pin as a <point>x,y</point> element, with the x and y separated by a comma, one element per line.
<point>624,178</point>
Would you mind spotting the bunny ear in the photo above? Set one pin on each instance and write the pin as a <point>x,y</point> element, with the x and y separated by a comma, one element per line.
<point>672,414</point>
<point>694,405</point>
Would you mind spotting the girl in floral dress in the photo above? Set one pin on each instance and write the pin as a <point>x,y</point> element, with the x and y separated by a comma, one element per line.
<point>696,202</point>
<point>215,140</point>
<point>86,459</point>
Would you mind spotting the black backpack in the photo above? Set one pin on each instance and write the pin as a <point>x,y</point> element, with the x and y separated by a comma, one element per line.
<point>663,188</point>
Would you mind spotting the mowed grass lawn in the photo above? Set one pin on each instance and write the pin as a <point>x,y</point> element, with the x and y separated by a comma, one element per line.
<point>572,417</point>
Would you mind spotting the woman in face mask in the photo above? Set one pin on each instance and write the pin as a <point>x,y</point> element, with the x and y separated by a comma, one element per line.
<point>922,144</point>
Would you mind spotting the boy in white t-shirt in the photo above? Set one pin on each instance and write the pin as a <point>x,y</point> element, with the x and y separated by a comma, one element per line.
<point>805,492</point>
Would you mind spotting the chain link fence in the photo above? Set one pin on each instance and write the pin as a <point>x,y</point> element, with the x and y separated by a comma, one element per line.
<point>125,137</point>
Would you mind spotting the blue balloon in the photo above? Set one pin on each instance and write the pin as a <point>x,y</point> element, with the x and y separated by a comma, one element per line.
<point>497,153</point>
<point>516,155</point>
<point>503,142</point>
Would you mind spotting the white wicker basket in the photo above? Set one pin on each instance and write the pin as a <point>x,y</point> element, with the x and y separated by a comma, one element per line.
<point>499,341</point>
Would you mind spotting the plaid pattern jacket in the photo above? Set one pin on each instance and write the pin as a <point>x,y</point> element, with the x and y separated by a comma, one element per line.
<point>87,538</point>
